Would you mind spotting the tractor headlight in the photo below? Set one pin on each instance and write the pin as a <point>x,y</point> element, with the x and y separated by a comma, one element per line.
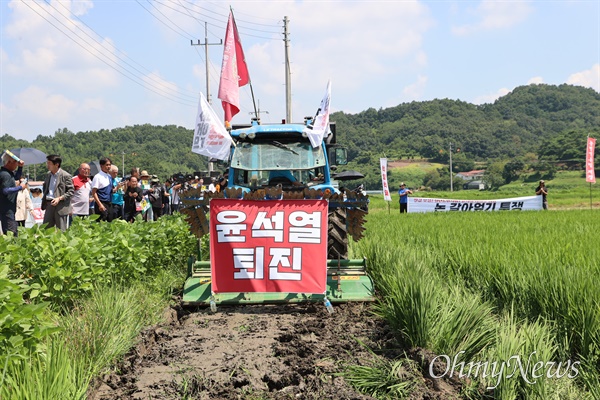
<point>243,135</point>
<point>251,136</point>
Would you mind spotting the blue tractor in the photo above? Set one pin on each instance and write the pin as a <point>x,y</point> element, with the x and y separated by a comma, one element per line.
<point>278,162</point>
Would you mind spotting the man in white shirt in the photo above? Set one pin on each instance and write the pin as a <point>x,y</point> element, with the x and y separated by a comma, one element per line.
<point>102,190</point>
<point>80,202</point>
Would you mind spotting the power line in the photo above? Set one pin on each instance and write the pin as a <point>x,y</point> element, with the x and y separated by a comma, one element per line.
<point>221,23</point>
<point>148,73</point>
<point>165,95</point>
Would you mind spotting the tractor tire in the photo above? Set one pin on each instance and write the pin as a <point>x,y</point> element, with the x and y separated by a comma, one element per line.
<point>337,237</point>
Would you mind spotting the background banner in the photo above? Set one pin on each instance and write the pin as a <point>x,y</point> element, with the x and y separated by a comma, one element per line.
<point>268,246</point>
<point>384,181</point>
<point>590,173</point>
<point>419,204</point>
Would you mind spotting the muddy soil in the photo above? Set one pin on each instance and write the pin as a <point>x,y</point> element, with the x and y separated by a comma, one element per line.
<point>263,352</point>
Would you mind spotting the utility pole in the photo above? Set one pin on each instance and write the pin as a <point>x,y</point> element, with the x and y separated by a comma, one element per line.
<point>288,78</point>
<point>206,44</point>
<point>451,183</point>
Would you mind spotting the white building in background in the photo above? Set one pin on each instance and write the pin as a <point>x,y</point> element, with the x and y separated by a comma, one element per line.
<point>476,174</point>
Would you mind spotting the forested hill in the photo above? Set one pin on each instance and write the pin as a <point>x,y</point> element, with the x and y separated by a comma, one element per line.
<point>518,123</point>
<point>537,119</point>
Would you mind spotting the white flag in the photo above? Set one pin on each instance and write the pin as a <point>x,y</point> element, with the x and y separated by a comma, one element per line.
<point>211,139</point>
<point>321,123</point>
<point>384,181</point>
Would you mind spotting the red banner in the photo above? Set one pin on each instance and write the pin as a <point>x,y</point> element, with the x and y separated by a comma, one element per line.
<point>590,175</point>
<point>268,246</point>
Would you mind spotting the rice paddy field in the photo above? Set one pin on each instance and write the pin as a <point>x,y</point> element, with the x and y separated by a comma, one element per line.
<point>518,289</point>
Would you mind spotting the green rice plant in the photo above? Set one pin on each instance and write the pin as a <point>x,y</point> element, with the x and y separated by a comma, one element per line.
<point>54,375</point>
<point>409,304</point>
<point>382,379</point>
<point>105,326</point>
<point>464,324</point>
<point>524,360</point>
<point>536,266</point>
<point>588,374</point>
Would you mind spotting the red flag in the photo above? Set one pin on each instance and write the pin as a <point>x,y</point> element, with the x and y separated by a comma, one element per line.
<point>234,71</point>
<point>590,174</point>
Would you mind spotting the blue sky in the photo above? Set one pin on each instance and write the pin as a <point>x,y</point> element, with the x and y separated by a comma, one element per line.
<point>89,65</point>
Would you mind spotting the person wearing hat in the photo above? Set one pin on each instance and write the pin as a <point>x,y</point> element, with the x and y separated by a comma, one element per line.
<point>147,213</point>
<point>155,195</point>
<point>404,192</point>
<point>10,173</point>
<point>543,191</point>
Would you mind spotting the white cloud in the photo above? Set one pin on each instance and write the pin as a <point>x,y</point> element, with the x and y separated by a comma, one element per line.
<point>44,54</point>
<point>589,78</point>
<point>490,98</point>
<point>358,51</point>
<point>415,90</point>
<point>493,14</point>
<point>38,103</point>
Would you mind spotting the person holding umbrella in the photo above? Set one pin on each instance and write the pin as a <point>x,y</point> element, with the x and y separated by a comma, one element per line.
<point>9,191</point>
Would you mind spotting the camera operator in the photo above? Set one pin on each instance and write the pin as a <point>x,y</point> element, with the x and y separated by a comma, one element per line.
<point>180,185</point>
<point>155,195</point>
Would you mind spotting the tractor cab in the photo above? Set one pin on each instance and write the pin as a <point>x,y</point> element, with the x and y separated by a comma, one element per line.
<point>281,155</point>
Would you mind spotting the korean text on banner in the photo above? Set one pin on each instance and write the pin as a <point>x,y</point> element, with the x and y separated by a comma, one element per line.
<point>419,204</point>
<point>320,127</point>
<point>590,174</point>
<point>266,247</point>
<point>384,181</point>
<point>211,139</point>
<point>234,71</point>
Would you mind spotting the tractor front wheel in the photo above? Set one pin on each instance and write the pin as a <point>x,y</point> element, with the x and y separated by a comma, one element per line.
<point>337,238</point>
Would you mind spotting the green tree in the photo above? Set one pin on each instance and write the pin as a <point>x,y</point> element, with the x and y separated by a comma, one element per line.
<point>493,175</point>
<point>512,170</point>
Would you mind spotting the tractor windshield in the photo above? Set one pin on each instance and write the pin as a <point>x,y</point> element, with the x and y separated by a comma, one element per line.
<point>273,155</point>
<point>270,162</point>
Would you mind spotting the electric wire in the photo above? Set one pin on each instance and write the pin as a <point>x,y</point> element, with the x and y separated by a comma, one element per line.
<point>148,74</point>
<point>152,89</point>
<point>222,23</point>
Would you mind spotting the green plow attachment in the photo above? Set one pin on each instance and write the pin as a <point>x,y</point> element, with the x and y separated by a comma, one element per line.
<point>347,280</point>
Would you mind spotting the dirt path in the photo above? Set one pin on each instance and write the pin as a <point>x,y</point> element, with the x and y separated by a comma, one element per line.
<point>255,352</point>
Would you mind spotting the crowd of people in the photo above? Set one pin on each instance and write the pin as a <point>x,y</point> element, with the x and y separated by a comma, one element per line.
<point>65,197</point>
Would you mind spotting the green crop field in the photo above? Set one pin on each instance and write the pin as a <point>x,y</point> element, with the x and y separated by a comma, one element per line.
<point>567,190</point>
<point>494,285</point>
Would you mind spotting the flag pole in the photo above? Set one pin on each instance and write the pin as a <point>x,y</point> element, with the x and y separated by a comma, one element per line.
<point>253,101</point>
<point>249,80</point>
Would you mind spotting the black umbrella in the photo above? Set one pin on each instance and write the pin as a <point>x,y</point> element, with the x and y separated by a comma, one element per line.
<point>30,155</point>
<point>348,175</point>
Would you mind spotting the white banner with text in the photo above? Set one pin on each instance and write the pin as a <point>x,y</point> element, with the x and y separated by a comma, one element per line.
<point>420,204</point>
